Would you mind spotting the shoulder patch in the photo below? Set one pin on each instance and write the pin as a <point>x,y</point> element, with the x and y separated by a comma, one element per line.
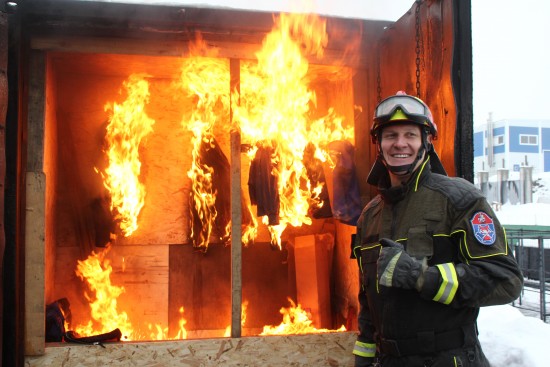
<point>484,228</point>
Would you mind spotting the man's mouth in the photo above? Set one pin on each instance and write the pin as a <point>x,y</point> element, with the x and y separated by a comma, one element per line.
<point>401,155</point>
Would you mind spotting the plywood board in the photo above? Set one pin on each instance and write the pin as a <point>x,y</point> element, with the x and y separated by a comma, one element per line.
<point>319,350</point>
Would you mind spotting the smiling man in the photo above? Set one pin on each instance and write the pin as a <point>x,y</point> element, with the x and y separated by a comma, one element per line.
<point>429,248</point>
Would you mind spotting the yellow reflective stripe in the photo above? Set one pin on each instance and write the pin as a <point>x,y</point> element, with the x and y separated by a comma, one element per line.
<point>447,290</point>
<point>364,349</point>
<point>420,173</point>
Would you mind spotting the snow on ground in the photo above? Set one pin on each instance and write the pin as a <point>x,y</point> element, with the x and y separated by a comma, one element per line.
<point>510,339</point>
<point>535,214</point>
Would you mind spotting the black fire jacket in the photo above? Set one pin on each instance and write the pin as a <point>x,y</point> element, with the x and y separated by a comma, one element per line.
<point>448,223</point>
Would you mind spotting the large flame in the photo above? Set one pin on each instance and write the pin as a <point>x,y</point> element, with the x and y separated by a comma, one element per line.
<point>205,78</point>
<point>295,321</point>
<point>273,111</point>
<point>105,315</point>
<point>128,125</point>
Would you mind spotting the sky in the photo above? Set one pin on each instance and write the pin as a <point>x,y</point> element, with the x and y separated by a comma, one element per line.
<point>511,73</point>
<point>511,59</point>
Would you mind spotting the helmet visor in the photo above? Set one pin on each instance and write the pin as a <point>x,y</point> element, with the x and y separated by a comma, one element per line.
<point>409,105</point>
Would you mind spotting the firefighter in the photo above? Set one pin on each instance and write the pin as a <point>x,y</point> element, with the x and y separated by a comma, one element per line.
<point>430,251</point>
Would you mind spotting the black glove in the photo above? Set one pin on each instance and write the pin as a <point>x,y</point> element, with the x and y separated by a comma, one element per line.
<point>397,269</point>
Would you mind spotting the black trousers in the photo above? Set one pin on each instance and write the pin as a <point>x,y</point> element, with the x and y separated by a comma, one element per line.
<point>471,356</point>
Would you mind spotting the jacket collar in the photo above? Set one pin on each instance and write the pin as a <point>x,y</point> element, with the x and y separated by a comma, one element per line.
<point>397,193</point>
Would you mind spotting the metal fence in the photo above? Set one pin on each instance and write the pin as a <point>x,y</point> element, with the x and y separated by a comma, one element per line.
<point>534,261</point>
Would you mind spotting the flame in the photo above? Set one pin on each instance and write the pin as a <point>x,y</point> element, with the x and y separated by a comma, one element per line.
<point>295,321</point>
<point>275,107</point>
<point>273,111</point>
<point>128,125</point>
<point>96,272</point>
<point>206,79</point>
<point>244,306</point>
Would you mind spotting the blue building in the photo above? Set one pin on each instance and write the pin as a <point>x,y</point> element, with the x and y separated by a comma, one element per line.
<point>510,144</point>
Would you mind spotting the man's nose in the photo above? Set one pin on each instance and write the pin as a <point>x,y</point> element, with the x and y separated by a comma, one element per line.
<point>400,141</point>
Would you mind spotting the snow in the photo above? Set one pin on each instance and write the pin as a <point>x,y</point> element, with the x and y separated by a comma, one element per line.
<point>534,214</point>
<point>510,338</point>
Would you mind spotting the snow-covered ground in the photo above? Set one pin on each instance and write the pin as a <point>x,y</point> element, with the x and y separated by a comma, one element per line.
<point>516,336</point>
<point>511,339</point>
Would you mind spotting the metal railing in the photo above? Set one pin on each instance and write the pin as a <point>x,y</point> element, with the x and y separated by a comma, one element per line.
<point>533,261</point>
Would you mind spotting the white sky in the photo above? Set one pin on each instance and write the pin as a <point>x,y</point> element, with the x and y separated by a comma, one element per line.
<point>511,46</point>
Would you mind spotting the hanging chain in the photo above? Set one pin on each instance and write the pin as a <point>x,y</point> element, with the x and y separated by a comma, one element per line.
<point>378,83</point>
<point>417,38</point>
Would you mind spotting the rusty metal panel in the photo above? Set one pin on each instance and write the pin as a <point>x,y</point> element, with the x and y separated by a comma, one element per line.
<point>398,59</point>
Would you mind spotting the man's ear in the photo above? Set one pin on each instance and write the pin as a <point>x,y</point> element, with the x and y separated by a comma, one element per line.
<point>430,140</point>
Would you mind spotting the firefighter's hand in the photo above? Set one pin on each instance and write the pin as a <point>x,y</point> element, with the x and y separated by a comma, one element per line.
<point>397,269</point>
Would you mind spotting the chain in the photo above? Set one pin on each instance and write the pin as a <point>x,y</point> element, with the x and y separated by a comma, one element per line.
<point>417,38</point>
<point>378,84</point>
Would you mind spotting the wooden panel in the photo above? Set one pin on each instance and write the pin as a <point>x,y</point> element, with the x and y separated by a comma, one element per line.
<point>141,270</point>
<point>200,282</point>
<point>313,255</point>
<point>320,350</point>
<point>34,264</point>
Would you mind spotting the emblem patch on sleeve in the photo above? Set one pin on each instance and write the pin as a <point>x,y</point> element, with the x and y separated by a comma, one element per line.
<point>484,228</point>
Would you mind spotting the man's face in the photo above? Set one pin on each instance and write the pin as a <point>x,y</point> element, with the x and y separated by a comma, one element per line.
<point>400,144</point>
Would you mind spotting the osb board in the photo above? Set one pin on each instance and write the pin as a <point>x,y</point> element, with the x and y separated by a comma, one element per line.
<point>165,156</point>
<point>141,270</point>
<point>319,350</point>
<point>201,283</point>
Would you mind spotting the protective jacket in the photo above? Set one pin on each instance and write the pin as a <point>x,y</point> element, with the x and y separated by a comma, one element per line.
<point>448,225</point>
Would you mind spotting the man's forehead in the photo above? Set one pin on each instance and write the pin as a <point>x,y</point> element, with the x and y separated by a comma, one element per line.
<point>404,126</point>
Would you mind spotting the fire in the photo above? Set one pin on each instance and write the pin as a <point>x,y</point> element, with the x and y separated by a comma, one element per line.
<point>244,306</point>
<point>295,321</point>
<point>273,112</point>
<point>96,272</point>
<point>275,108</point>
<point>128,125</point>
<point>207,80</point>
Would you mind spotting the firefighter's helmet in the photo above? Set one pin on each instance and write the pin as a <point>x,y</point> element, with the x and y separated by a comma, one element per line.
<point>402,107</point>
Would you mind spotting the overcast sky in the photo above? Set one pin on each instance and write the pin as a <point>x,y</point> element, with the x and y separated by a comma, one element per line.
<point>511,46</point>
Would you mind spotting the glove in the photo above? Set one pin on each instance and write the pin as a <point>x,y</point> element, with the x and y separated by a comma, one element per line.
<point>397,269</point>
